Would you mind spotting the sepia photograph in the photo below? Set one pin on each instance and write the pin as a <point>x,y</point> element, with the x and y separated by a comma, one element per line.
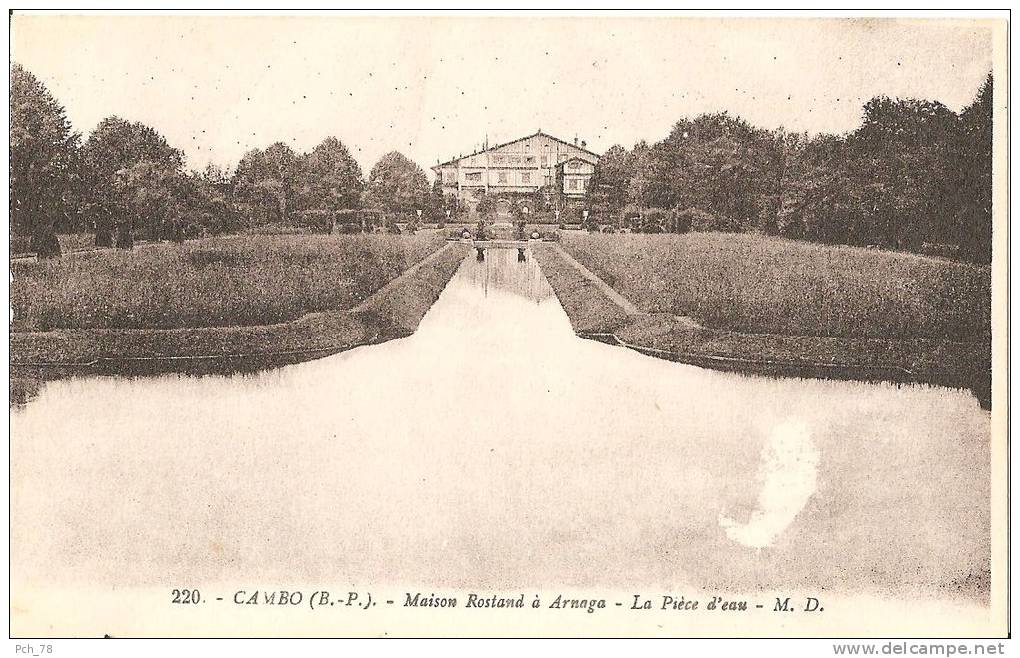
<point>330,324</point>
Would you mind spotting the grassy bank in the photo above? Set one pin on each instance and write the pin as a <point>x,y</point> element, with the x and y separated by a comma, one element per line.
<point>959,357</point>
<point>216,282</point>
<point>390,313</point>
<point>756,284</point>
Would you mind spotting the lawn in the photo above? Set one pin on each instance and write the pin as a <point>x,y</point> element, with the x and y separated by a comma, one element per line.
<point>762,285</point>
<point>216,282</point>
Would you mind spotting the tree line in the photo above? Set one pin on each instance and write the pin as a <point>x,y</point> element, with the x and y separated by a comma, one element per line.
<point>125,181</point>
<point>915,175</point>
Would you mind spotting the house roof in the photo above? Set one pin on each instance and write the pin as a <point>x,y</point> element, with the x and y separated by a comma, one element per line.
<point>514,141</point>
<point>577,157</point>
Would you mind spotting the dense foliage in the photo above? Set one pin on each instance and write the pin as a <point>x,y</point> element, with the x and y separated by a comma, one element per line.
<point>43,163</point>
<point>398,185</point>
<point>126,182</point>
<point>915,176</point>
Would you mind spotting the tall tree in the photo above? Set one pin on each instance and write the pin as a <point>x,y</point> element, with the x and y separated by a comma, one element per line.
<point>265,184</point>
<point>641,166</point>
<point>209,203</point>
<point>818,200</point>
<point>397,184</point>
<point>975,214</point>
<point>716,163</point>
<point>134,180</point>
<point>607,190</point>
<point>903,154</point>
<point>42,160</point>
<point>330,179</point>
<point>436,207</point>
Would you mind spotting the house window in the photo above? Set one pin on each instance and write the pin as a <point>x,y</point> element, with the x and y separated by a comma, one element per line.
<point>574,164</point>
<point>548,180</point>
<point>502,177</point>
<point>526,177</point>
<point>572,184</point>
<point>474,177</point>
<point>449,176</point>
<point>529,160</point>
<point>545,160</point>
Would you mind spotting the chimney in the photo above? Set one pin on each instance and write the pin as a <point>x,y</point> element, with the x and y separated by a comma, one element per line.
<point>584,144</point>
<point>575,140</point>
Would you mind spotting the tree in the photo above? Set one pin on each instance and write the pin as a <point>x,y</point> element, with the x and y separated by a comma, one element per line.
<point>134,180</point>
<point>717,163</point>
<point>607,190</point>
<point>43,161</point>
<point>435,209</point>
<point>486,206</point>
<point>265,184</point>
<point>208,203</point>
<point>974,217</point>
<point>819,199</point>
<point>638,188</point>
<point>396,184</point>
<point>903,156</point>
<point>329,178</point>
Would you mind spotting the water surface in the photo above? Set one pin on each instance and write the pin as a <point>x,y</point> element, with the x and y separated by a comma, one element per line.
<point>494,448</point>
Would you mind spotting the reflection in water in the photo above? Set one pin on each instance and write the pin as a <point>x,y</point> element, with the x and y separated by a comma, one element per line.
<point>494,448</point>
<point>522,277</point>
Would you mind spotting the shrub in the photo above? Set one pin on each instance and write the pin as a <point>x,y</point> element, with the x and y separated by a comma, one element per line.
<point>704,221</point>
<point>652,221</point>
<point>372,219</point>
<point>542,217</point>
<point>570,215</point>
<point>274,229</point>
<point>20,244</point>
<point>347,221</point>
<point>695,219</point>
<point>320,221</point>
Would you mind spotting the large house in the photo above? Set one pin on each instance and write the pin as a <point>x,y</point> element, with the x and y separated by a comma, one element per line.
<point>520,167</point>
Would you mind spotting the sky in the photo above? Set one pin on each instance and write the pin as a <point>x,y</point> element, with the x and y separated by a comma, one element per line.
<point>436,87</point>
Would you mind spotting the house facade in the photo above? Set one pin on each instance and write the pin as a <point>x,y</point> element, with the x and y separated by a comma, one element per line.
<point>520,167</point>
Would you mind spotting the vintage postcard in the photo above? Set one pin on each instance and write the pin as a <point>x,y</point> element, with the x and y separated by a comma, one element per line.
<point>510,325</point>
